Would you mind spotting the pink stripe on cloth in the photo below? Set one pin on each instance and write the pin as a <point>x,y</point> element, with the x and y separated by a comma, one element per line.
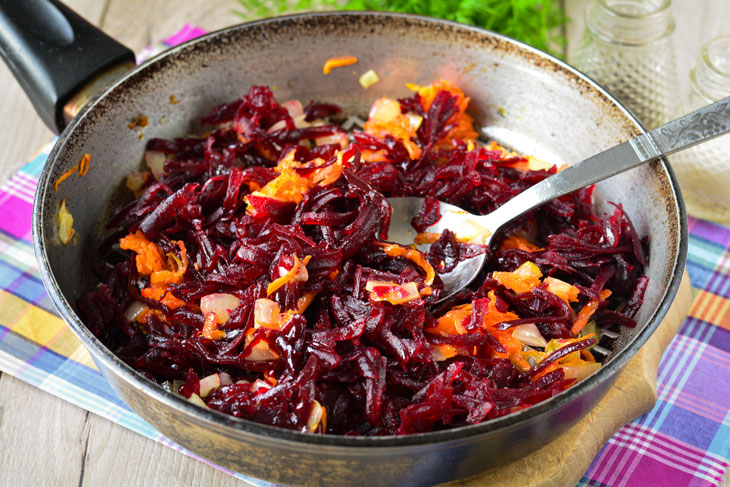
<point>618,460</point>
<point>185,34</point>
<point>17,211</point>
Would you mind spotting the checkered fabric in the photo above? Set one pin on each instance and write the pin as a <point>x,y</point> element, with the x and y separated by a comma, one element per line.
<point>683,441</point>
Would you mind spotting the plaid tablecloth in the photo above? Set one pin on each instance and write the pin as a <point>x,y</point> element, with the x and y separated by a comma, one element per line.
<point>683,441</point>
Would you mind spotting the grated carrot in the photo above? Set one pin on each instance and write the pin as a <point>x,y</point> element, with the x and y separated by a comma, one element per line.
<point>64,177</point>
<point>338,62</point>
<point>164,296</point>
<point>149,257</point>
<point>210,327</point>
<point>84,165</point>
<point>521,280</point>
<point>395,250</point>
<point>518,242</point>
<point>289,276</point>
<point>451,322</point>
<point>585,314</point>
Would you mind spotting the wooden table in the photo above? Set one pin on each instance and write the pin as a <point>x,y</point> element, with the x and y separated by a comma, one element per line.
<point>45,441</point>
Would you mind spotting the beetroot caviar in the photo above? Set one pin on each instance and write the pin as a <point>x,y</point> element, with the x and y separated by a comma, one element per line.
<point>254,275</point>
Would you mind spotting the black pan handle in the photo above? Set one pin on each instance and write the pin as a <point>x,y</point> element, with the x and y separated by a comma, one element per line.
<point>53,53</point>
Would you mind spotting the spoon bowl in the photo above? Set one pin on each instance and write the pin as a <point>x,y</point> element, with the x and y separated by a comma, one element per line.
<point>401,232</point>
<point>697,127</point>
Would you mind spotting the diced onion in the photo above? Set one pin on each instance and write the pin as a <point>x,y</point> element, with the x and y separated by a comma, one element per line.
<point>156,162</point>
<point>134,310</point>
<point>209,384</point>
<point>369,79</point>
<point>259,384</point>
<point>219,303</point>
<point>414,120</point>
<point>261,353</point>
<point>338,138</point>
<point>294,107</point>
<point>392,292</point>
<point>529,335</point>
<point>315,416</point>
<point>65,224</point>
<point>136,180</point>
<point>226,379</point>
<point>266,313</point>
<point>384,110</point>
<point>301,276</point>
<point>195,399</point>
<point>580,371</point>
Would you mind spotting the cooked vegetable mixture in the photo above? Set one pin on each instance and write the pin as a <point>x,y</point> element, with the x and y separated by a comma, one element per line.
<point>253,274</point>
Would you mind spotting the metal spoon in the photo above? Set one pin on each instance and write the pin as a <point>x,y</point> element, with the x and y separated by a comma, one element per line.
<point>699,126</point>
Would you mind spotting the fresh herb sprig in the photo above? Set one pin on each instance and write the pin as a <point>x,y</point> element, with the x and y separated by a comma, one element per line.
<point>535,22</point>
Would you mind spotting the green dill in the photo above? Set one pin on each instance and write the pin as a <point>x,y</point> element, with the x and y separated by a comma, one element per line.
<point>535,22</point>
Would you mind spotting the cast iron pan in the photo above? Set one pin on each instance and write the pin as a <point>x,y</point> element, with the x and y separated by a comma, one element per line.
<point>521,97</point>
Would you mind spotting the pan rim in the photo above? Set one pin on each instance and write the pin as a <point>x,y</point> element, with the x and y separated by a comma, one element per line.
<point>242,427</point>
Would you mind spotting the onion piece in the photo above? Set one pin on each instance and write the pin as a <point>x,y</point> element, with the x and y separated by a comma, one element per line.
<point>316,416</point>
<point>195,399</point>
<point>226,379</point>
<point>342,139</point>
<point>156,162</point>
<point>529,335</point>
<point>219,303</point>
<point>259,384</point>
<point>261,352</point>
<point>369,79</point>
<point>134,310</point>
<point>294,107</point>
<point>65,223</point>
<point>209,384</point>
<point>266,313</point>
<point>392,292</point>
<point>581,370</point>
<point>384,110</point>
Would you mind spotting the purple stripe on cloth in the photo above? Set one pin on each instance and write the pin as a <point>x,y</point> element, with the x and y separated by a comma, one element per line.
<point>713,232</point>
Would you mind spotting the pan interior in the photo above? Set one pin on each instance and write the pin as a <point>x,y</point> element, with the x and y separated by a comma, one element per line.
<point>518,97</point>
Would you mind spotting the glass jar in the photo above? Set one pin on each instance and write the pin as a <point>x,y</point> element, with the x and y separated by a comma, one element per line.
<point>704,170</point>
<point>627,47</point>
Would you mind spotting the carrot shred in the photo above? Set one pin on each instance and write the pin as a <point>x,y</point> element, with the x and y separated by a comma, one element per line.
<point>164,296</point>
<point>585,314</point>
<point>304,301</point>
<point>443,352</point>
<point>149,258</point>
<point>338,62</point>
<point>84,165</point>
<point>64,177</point>
<point>289,276</point>
<point>210,327</point>
<point>395,250</point>
<point>451,322</point>
<point>518,242</point>
<point>521,280</point>
<point>178,266</point>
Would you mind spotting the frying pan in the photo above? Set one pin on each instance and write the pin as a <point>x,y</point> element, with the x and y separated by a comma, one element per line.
<point>521,97</point>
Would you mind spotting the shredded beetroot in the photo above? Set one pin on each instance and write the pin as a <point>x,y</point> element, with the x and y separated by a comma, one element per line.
<point>263,214</point>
